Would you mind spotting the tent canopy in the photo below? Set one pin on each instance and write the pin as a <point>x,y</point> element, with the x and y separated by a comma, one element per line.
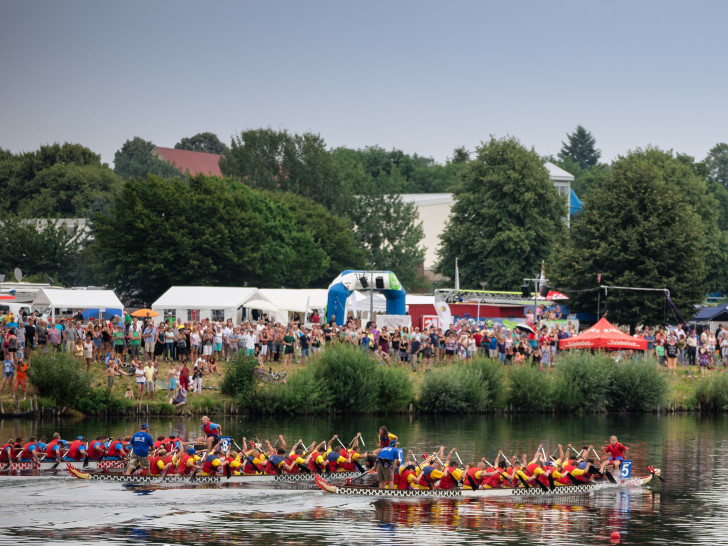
<point>603,335</point>
<point>294,300</point>
<point>76,299</point>
<point>204,297</point>
<point>708,314</point>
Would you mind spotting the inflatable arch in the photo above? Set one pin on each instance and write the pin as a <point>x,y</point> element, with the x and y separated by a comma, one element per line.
<point>385,282</point>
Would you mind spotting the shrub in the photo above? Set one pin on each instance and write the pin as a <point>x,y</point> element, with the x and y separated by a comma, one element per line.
<point>347,374</point>
<point>395,389</point>
<point>462,388</point>
<point>529,389</point>
<point>302,394</point>
<point>636,386</point>
<point>100,400</point>
<point>240,379</point>
<point>582,380</point>
<point>494,372</point>
<point>60,378</point>
<point>712,392</point>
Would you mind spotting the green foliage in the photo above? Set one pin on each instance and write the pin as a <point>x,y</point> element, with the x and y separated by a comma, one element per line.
<point>202,142</point>
<point>461,388</point>
<point>507,217</point>
<point>717,163</point>
<point>581,382</point>
<point>349,377</point>
<point>638,243</point>
<point>100,400</point>
<point>712,393</point>
<point>135,160</point>
<point>495,374</point>
<point>636,386</point>
<point>528,389</point>
<point>395,389</point>
<point>240,379</point>
<point>581,148</point>
<point>243,234</point>
<point>59,377</point>
<point>585,180</point>
<point>41,249</point>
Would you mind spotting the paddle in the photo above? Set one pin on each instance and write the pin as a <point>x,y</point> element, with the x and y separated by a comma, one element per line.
<point>196,470</point>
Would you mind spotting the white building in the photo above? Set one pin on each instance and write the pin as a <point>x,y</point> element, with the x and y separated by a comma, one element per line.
<point>434,212</point>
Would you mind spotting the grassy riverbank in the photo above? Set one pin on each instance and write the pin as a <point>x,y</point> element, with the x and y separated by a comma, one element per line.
<point>345,380</point>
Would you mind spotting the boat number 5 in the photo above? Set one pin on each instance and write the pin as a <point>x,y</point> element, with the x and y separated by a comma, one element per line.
<point>625,470</point>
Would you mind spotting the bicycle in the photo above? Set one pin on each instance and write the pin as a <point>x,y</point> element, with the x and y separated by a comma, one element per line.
<point>269,376</point>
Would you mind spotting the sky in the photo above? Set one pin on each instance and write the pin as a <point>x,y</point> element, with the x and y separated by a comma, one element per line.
<point>421,76</point>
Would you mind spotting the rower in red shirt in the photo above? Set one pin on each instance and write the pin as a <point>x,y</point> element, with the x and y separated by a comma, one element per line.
<point>616,454</point>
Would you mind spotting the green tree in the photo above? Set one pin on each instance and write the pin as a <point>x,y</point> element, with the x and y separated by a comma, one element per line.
<point>581,148</point>
<point>135,160</point>
<point>585,180</point>
<point>717,163</point>
<point>280,161</point>
<point>390,232</point>
<point>69,191</point>
<point>41,248</point>
<point>641,228</point>
<point>202,231</point>
<point>202,142</point>
<point>460,155</point>
<point>507,217</point>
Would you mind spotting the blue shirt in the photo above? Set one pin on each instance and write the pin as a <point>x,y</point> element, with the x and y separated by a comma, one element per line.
<point>141,442</point>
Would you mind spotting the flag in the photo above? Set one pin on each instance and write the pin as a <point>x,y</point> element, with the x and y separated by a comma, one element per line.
<point>443,314</point>
<point>305,315</point>
<point>542,278</point>
<point>353,303</point>
<point>457,276</point>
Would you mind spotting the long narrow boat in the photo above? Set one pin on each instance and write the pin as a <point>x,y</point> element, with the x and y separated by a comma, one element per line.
<point>116,476</point>
<point>482,493</point>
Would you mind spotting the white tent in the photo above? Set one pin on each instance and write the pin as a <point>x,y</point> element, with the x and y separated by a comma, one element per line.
<point>289,300</point>
<point>76,299</point>
<point>191,303</point>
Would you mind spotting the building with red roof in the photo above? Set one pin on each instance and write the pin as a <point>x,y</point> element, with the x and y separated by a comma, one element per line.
<point>188,162</point>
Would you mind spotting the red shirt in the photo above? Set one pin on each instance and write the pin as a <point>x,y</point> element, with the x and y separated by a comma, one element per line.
<point>616,450</point>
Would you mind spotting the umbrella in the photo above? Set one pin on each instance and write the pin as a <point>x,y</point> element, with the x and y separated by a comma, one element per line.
<point>144,313</point>
<point>525,328</point>
<point>553,295</point>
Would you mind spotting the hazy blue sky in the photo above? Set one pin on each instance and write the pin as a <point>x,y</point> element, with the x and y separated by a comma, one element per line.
<point>421,76</point>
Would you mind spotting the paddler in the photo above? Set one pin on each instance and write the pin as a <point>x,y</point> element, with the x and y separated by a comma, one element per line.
<point>76,451</point>
<point>30,452</point>
<point>214,462</point>
<point>406,475</point>
<point>115,450</point>
<point>337,459</point>
<point>53,451</point>
<point>161,463</point>
<point>431,470</point>
<point>616,453</point>
<point>141,443</point>
<point>212,432</point>
<point>96,449</point>
<point>452,474</point>
<point>188,462</point>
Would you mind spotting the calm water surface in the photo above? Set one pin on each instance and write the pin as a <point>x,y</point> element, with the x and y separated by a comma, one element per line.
<point>689,508</point>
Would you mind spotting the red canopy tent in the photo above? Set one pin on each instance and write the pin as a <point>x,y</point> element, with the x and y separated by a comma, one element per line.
<point>603,336</point>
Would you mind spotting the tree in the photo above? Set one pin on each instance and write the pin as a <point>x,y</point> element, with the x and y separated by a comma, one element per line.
<point>585,180</point>
<point>641,228</point>
<point>41,248</point>
<point>717,162</point>
<point>280,161</point>
<point>202,142</point>
<point>460,155</point>
<point>135,160</point>
<point>390,232</point>
<point>70,191</point>
<point>203,231</point>
<point>581,148</point>
<point>507,218</point>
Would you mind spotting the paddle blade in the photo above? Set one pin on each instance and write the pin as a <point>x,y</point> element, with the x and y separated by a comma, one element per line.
<point>85,461</point>
<point>609,476</point>
<point>228,472</point>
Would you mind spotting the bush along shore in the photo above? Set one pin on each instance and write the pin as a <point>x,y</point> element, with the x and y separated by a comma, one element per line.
<point>346,380</point>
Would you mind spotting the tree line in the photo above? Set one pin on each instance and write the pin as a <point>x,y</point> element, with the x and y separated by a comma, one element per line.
<point>290,211</point>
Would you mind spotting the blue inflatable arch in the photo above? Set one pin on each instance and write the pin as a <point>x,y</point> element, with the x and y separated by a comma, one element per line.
<point>385,282</point>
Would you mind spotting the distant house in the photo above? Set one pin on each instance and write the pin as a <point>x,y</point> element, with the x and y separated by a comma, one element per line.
<point>188,162</point>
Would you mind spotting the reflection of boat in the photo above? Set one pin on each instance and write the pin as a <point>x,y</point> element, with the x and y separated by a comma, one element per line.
<point>199,479</point>
<point>482,493</point>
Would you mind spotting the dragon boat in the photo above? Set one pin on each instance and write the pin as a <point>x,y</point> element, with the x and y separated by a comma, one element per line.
<point>516,492</point>
<point>117,476</point>
<point>44,465</point>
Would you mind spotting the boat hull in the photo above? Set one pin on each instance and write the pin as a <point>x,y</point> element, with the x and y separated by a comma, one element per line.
<point>481,493</point>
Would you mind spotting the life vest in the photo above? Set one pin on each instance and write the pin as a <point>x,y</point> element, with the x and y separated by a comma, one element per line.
<point>208,467</point>
<point>530,469</point>
<point>291,461</point>
<point>153,466</point>
<point>615,450</point>
<point>50,450</point>
<point>171,443</point>
<point>26,452</point>
<point>273,466</point>
<point>404,482</point>
<point>74,451</point>
<point>210,429</point>
<point>182,468</point>
<point>331,461</point>
<point>447,481</point>
<point>384,440</point>
<point>4,457</point>
<point>312,462</point>
<point>492,481</point>
<point>95,450</point>
<point>249,467</point>
<point>471,480</point>
<point>113,451</point>
<point>158,444</point>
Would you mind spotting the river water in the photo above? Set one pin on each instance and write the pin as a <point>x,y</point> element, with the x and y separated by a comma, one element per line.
<point>690,507</point>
